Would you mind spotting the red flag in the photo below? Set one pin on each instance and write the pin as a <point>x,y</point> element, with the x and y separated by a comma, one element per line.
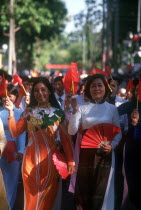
<point>99,71</point>
<point>107,71</point>
<point>139,91</point>
<point>92,71</point>
<point>17,79</point>
<point>130,85</point>
<point>3,89</point>
<point>71,79</point>
<point>136,37</point>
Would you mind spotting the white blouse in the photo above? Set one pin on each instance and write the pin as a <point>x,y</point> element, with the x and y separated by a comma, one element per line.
<point>91,114</point>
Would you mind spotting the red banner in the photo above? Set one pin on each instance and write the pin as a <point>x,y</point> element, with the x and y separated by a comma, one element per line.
<point>57,66</point>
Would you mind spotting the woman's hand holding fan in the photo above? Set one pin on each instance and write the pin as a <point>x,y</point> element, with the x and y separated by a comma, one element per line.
<point>105,146</point>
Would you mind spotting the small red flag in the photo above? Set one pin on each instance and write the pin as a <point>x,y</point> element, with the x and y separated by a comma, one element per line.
<point>139,91</point>
<point>107,71</point>
<point>130,85</point>
<point>71,79</point>
<point>96,70</point>
<point>17,79</point>
<point>99,71</point>
<point>3,89</point>
<point>92,71</point>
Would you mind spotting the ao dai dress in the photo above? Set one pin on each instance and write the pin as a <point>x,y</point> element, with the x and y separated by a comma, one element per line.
<point>40,176</point>
<point>87,116</point>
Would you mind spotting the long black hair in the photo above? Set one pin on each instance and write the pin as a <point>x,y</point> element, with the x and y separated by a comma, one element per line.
<point>52,99</point>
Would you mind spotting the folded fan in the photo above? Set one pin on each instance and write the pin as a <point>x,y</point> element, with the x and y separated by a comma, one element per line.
<point>61,164</point>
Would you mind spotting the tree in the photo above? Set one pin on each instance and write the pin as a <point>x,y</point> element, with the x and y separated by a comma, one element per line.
<point>60,50</point>
<point>34,20</point>
<point>87,24</point>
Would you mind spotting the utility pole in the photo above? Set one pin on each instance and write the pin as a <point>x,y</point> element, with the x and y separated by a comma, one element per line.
<point>104,35</point>
<point>12,54</point>
<point>84,49</point>
<point>116,35</point>
<point>139,17</point>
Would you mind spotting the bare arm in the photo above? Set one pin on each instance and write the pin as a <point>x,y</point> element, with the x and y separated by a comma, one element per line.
<point>2,138</point>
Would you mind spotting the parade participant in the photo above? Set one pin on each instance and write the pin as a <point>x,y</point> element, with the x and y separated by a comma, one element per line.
<point>95,175</point>
<point>3,200</point>
<point>132,148</point>
<point>114,98</point>
<point>117,100</point>
<point>8,78</point>
<point>122,93</point>
<point>13,153</point>
<point>41,120</point>
<point>59,91</point>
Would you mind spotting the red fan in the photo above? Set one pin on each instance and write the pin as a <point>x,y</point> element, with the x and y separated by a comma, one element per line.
<point>97,133</point>
<point>60,163</point>
<point>9,150</point>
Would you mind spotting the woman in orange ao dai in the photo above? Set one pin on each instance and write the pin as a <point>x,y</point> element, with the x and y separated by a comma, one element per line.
<point>42,120</point>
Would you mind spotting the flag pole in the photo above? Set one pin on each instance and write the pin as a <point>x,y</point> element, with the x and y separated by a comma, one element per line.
<point>137,103</point>
<point>73,87</point>
<point>6,92</point>
<point>109,87</point>
<point>24,89</point>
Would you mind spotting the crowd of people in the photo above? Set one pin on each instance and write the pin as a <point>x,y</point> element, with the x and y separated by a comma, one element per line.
<point>95,133</point>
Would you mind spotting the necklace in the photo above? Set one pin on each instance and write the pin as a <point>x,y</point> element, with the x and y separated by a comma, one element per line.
<point>48,105</point>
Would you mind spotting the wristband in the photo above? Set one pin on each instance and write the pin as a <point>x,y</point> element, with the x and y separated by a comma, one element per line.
<point>71,163</point>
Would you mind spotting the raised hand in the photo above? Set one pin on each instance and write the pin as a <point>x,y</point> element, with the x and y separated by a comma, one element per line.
<point>27,98</point>
<point>9,104</point>
<point>74,105</point>
<point>71,169</point>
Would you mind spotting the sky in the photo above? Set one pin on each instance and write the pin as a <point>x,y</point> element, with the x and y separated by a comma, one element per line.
<point>73,7</point>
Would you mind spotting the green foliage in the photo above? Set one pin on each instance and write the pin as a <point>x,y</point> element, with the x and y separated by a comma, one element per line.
<point>34,19</point>
<point>87,24</point>
<point>64,50</point>
<point>60,50</point>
